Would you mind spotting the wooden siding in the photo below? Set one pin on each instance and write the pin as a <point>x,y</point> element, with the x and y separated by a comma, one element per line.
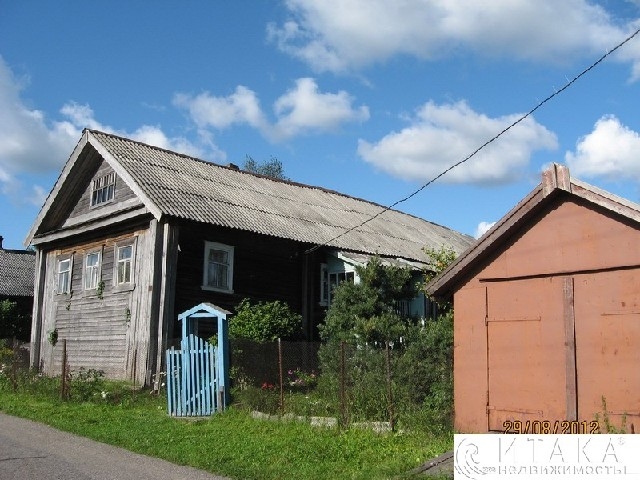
<point>106,331</point>
<point>265,269</point>
<point>122,192</point>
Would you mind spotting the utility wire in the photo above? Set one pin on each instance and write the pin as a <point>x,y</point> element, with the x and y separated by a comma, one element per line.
<point>475,152</point>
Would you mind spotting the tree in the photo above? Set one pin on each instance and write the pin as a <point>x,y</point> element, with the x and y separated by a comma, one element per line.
<point>271,168</point>
<point>366,310</point>
<point>441,258</point>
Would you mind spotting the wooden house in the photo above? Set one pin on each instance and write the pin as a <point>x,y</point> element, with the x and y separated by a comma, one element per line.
<point>132,234</point>
<point>16,285</point>
<point>547,314</point>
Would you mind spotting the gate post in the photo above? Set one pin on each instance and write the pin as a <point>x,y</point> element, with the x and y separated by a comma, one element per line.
<point>224,396</point>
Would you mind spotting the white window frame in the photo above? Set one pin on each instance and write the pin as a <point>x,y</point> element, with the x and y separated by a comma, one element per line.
<point>103,189</point>
<point>89,280</point>
<point>229,250</point>
<point>64,288</point>
<point>330,280</point>
<point>117,261</point>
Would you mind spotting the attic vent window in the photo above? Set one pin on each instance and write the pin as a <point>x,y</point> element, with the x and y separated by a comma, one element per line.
<point>103,189</point>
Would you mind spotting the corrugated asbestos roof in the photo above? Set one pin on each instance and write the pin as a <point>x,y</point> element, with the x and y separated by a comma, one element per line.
<point>17,271</point>
<point>193,189</point>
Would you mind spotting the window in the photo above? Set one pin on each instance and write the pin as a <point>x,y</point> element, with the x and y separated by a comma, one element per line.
<point>124,256</point>
<point>218,267</point>
<point>329,281</point>
<point>64,276</point>
<point>92,271</point>
<point>103,189</point>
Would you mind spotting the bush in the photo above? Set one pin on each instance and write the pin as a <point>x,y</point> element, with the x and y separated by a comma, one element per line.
<point>13,322</point>
<point>87,385</point>
<point>265,399</point>
<point>424,372</point>
<point>264,321</point>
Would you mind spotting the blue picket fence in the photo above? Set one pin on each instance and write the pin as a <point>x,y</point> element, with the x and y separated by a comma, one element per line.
<point>192,380</point>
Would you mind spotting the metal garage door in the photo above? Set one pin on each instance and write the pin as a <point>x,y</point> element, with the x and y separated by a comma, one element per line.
<point>529,351</point>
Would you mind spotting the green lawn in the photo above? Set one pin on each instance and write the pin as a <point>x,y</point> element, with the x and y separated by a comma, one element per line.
<point>232,443</point>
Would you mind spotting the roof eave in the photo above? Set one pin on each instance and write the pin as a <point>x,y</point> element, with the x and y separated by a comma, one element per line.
<point>88,138</point>
<point>56,188</point>
<point>555,181</point>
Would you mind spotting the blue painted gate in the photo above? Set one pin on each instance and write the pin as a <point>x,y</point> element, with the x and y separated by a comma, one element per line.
<point>197,374</point>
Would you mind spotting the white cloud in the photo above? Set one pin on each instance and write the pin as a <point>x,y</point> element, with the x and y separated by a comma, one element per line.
<point>302,109</point>
<point>32,143</point>
<point>241,107</point>
<point>28,143</point>
<point>340,36</point>
<point>482,228</point>
<point>442,135</point>
<point>610,150</point>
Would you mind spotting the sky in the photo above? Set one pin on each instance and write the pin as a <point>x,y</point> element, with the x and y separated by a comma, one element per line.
<point>370,98</point>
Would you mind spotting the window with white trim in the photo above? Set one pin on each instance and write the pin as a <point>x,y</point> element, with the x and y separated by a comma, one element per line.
<point>124,263</point>
<point>64,276</point>
<point>330,280</point>
<point>218,267</point>
<point>92,270</point>
<point>103,189</point>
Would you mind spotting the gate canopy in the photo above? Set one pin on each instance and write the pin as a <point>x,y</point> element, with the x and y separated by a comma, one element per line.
<point>191,317</point>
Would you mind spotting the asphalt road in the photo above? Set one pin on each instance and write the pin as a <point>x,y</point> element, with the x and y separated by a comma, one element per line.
<point>30,450</point>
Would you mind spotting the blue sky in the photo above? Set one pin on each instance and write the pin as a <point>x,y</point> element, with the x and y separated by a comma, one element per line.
<point>370,98</point>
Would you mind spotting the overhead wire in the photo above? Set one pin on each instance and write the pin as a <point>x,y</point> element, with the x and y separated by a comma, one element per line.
<point>484,145</point>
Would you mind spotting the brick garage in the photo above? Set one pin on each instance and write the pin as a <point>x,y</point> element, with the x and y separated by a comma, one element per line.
<point>547,311</point>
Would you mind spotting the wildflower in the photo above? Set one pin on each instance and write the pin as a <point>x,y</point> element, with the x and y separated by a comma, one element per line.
<point>104,394</point>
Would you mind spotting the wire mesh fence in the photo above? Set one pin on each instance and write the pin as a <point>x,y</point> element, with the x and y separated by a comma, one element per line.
<point>348,383</point>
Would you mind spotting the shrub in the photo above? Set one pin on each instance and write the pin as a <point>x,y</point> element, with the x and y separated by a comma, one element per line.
<point>86,384</point>
<point>13,322</point>
<point>264,321</point>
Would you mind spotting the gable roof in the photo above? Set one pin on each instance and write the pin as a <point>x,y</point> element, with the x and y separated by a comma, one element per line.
<point>176,185</point>
<point>17,272</point>
<point>555,181</point>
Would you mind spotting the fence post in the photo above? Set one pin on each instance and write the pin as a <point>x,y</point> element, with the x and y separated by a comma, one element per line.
<point>64,388</point>
<point>343,399</point>
<point>280,377</point>
<point>14,366</point>
<point>389,390</point>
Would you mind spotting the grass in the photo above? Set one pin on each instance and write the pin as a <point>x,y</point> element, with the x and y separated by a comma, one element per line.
<point>232,443</point>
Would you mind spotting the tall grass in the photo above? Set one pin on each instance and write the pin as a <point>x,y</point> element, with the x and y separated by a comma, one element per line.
<point>231,443</point>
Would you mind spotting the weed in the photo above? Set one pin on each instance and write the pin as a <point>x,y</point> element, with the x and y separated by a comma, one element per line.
<point>605,425</point>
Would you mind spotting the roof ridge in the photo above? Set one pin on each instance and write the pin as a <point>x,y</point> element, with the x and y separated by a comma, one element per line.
<point>257,175</point>
<point>17,251</point>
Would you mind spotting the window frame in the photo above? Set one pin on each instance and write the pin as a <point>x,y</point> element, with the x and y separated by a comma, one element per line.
<point>329,279</point>
<point>230,250</point>
<point>69,272</point>
<point>86,276</point>
<point>104,184</point>
<point>130,284</point>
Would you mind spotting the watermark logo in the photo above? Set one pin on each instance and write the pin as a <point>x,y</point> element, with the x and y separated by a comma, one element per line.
<point>501,456</point>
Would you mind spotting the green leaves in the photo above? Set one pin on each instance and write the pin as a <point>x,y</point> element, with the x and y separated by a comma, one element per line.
<point>367,309</point>
<point>264,321</point>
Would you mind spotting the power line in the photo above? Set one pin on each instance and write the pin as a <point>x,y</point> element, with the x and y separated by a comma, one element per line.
<point>494,138</point>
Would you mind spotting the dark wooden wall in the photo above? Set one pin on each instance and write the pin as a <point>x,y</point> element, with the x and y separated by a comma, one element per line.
<point>265,269</point>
